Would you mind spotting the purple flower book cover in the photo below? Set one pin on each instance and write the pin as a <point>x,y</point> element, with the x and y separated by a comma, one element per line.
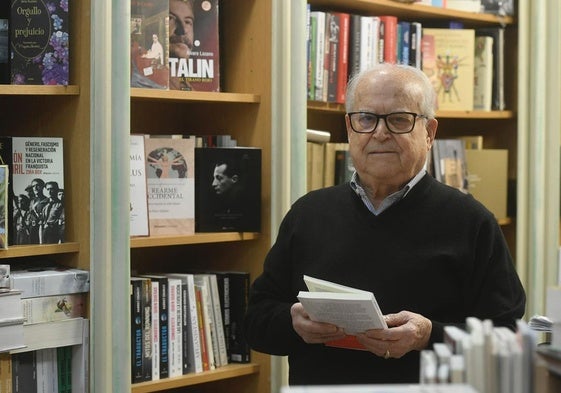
<point>39,33</point>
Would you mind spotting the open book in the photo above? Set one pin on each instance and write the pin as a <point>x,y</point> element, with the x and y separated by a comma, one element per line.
<point>353,310</point>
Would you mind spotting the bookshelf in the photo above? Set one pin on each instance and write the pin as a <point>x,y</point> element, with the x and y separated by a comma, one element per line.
<point>499,128</point>
<point>242,109</point>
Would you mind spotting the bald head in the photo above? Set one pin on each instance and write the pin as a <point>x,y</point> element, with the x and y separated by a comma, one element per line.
<point>413,84</point>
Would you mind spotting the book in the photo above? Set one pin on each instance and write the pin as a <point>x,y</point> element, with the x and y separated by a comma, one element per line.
<point>53,334</point>
<point>137,329</point>
<point>155,328</point>
<point>37,169</point>
<point>54,308</point>
<point>24,372</point>
<point>228,189</point>
<point>5,42</point>
<point>138,191</point>
<point>218,320</point>
<point>448,61</point>
<point>146,328</point>
<point>39,40</point>
<point>149,44</point>
<point>170,176</point>
<point>10,305</point>
<point>5,372</point>
<point>233,288</point>
<point>351,309</point>
<point>450,164</point>
<point>329,161</point>
<point>64,369</point>
<point>175,327</point>
<point>483,73</point>
<point>312,53</point>
<point>36,281</point>
<point>315,165</point>
<point>498,34</point>
<point>80,363</point>
<point>320,18</point>
<point>389,26</point>
<point>197,68</point>
<point>317,136</point>
<point>202,285</point>
<point>6,159</point>
<point>192,357</point>
<point>47,370</point>
<point>11,334</point>
<point>4,211</point>
<point>344,167</point>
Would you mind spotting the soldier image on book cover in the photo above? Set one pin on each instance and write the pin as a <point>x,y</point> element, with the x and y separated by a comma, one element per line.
<point>39,38</point>
<point>228,189</point>
<point>38,187</point>
<point>194,51</point>
<point>149,44</point>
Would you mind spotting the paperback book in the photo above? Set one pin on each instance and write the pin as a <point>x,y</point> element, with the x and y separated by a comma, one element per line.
<point>228,189</point>
<point>138,191</point>
<point>149,44</point>
<point>170,176</point>
<point>194,51</point>
<point>4,213</point>
<point>39,39</point>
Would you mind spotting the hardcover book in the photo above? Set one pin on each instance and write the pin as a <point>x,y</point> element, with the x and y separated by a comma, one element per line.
<point>49,280</point>
<point>194,53</point>
<point>138,192</point>
<point>39,39</point>
<point>170,175</point>
<point>228,189</point>
<point>448,60</point>
<point>483,82</point>
<point>37,170</point>
<point>54,308</point>
<point>150,43</point>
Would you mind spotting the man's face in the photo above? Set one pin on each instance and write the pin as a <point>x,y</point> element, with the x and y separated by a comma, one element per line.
<point>37,188</point>
<point>181,19</point>
<point>381,157</point>
<point>52,190</point>
<point>222,183</point>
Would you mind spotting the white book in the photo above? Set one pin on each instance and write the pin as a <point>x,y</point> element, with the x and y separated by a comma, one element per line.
<point>352,309</point>
<point>47,371</point>
<point>217,308</point>
<point>483,73</point>
<point>201,281</point>
<point>320,52</point>
<point>10,305</point>
<point>81,362</point>
<point>54,308</point>
<point>155,309</point>
<point>191,322</point>
<point>52,334</point>
<point>138,191</point>
<point>50,280</point>
<point>477,364</point>
<point>428,367</point>
<point>11,334</point>
<point>454,336</point>
<point>175,329</point>
<point>457,369</point>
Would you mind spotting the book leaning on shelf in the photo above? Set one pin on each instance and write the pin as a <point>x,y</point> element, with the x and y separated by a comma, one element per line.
<point>36,189</point>
<point>352,309</point>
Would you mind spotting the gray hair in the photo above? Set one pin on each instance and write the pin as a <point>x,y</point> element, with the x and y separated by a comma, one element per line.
<point>419,86</point>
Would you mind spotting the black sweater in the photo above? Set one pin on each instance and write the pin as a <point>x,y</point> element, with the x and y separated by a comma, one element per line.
<point>437,252</point>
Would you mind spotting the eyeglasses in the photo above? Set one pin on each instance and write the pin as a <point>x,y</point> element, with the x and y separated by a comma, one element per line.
<point>396,122</point>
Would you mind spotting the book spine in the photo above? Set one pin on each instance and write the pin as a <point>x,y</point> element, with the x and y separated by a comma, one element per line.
<point>155,309</point>
<point>320,52</point>
<point>5,372</point>
<point>50,283</point>
<point>175,347</point>
<point>343,66</point>
<point>239,293</point>
<point>390,38</point>
<point>185,345</point>
<point>54,308</point>
<point>334,43</point>
<point>164,330</point>
<point>64,369</point>
<point>202,335</point>
<point>146,329</point>
<point>137,374</point>
<point>194,332</point>
<point>219,323</point>
<point>354,44</point>
<point>24,372</point>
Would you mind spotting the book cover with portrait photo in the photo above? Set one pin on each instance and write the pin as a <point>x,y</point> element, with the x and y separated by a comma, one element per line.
<point>228,189</point>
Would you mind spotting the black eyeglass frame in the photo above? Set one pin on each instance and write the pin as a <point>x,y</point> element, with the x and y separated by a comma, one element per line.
<point>384,116</point>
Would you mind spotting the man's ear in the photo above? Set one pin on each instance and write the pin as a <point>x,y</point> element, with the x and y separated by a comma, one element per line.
<point>431,126</point>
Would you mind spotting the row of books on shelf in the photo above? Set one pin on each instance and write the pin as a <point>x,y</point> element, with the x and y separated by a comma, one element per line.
<point>460,162</point>
<point>187,323</point>
<point>177,188</point>
<point>44,332</point>
<point>497,7</point>
<point>466,66</point>
<point>489,358</point>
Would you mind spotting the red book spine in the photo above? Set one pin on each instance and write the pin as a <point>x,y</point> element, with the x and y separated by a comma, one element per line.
<point>343,59</point>
<point>390,38</point>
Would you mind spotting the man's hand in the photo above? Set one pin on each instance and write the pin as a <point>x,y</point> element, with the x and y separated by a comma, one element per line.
<point>310,331</point>
<point>406,332</point>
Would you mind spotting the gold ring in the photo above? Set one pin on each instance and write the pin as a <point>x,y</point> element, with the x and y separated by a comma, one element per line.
<point>387,354</point>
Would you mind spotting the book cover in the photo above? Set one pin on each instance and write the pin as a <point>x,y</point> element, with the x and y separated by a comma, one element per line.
<point>450,165</point>
<point>39,40</point>
<point>4,213</point>
<point>448,60</point>
<point>52,334</point>
<point>219,322</point>
<point>389,23</point>
<point>155,328</point>
<point>175,327</point>
<point>17,221</point>
<point>149,44</point>
<point>138,191</point>
<point>38,179</point>
<point>228,189</point>
<point>49,280</point>
<point>483,72</point>
<point>312,52</point>
<point>233,288</point>
<point>205,356</point>
<point>343,58</point>
<point>498,34</point>
<point>47,374</point>
<point>64,369</point>
<point>208,327</point>
<point>194,53</point>
<point>320,18</point>
<point>81,361</point>
<point>24,372</point>
<point>54,308</point>
<point>170,176</point>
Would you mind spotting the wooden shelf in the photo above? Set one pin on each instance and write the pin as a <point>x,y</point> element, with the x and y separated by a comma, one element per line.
<point>197,238</point>
<point>229,371</point>
<point>39,90</point>
<point>39,249</point>
<point>411,11</point>
<point>200,96</point>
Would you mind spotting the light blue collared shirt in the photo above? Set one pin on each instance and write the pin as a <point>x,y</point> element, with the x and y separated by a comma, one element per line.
<point>390,199</point>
